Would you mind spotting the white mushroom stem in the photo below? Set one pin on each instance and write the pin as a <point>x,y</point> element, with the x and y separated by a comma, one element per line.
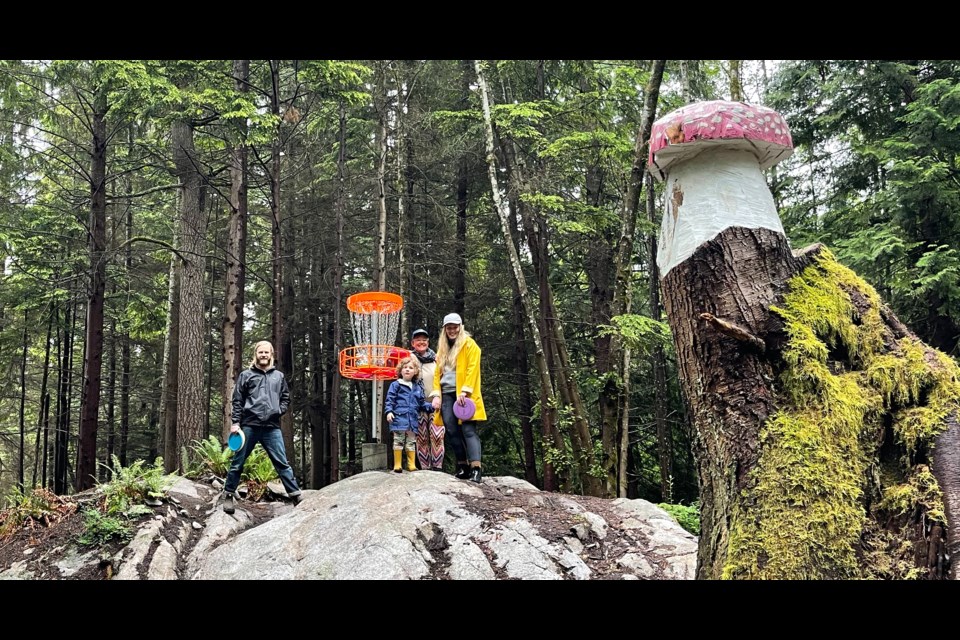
<point>716,189</point>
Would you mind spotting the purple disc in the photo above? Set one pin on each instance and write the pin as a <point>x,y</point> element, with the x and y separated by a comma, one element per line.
<point>466,410</point>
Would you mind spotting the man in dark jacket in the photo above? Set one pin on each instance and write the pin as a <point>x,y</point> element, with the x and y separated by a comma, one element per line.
<point>260,397</point>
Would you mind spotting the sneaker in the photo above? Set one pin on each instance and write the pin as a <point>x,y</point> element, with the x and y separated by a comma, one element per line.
<point>229,505</point>
<point>297,499</point>
<point>476,475</point>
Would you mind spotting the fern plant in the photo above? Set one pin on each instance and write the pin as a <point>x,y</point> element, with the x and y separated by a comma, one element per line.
<point>36,507</point>
<point>211,456</point>
<point>124,499</point>
<point>133,485</point>
<point>257,472</point>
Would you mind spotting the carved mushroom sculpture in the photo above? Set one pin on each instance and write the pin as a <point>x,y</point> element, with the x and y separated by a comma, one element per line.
<point>712,155</point>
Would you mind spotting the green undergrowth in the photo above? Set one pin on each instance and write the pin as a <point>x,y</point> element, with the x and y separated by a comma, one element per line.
<point>805,514</point>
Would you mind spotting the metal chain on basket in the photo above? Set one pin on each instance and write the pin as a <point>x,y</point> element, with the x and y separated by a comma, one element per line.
<point>371,329</point>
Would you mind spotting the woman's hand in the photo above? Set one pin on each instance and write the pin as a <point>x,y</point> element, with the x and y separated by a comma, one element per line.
<point>436,403</point>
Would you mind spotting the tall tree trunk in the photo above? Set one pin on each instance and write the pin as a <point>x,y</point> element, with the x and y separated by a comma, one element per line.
<point>337,331</point>
<point>235,275</point>
<point>125,335</point>
<point>382,106</point>
<point>399,134</point>
<point>383,146</point>
<point>613,391</point>
<point>525,407</point>
<point>93,341</point>
<point>554,343</point>
<point>171,366</point>
<point>352,429</point>
<point>280,339</point>
<point>209,366</point>
<point>64,381</point>
<point>23,402</point>
<point>111,396</point>
<point>125,392</point>
<point>546,383</point>
<point>43,416</point>
<point>193,230</point>
<point>554,444</point>
<point>736,85</point>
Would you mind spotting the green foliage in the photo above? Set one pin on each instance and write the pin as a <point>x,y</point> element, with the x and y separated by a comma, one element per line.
<point>804,515</point>
<point>123,500</point>
<point>257,472</point>
<point>687,516</point>
<point>874,177</point>
<point>100,528</point>
<point>560,460</point>
<point>133,485</point>
<point>32,508</point>
<point>640,333</point>
<point>210,456</point>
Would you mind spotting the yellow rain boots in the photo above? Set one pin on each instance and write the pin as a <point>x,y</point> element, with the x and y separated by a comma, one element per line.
<point>412,460</point>
<point>397,453</point>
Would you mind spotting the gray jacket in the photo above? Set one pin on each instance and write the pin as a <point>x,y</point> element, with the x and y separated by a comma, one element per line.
<point>260,398</point>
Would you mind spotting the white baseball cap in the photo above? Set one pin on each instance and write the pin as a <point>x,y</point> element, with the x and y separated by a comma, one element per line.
<point>452,318</point>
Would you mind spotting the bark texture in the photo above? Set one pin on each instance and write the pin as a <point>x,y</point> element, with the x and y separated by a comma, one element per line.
<point>786,368</point>
<point>735,276</point>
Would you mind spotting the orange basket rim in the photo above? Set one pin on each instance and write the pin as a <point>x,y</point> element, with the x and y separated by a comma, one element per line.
<point>369,371</point>
<point>380,301</point>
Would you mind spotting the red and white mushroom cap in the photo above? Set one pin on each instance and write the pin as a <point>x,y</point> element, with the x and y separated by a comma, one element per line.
<point>688,131</point>
<point>712,155</point>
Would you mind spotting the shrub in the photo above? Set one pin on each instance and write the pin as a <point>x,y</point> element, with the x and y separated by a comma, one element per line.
<point>257,472</point>
<point>687,516</point>
<point>29,509</point>
<point>211,456</point>
<point>133,485</point>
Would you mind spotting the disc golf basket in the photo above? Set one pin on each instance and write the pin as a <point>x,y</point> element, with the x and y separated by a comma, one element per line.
<point>374,317</point>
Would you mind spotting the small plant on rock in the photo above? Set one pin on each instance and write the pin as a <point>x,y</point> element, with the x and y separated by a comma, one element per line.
<point>124,499</point>
<point>687,516</point>
<point>137,484</point>
<point>211,456</point>
<point>38,507</point>
<point>257,472</point>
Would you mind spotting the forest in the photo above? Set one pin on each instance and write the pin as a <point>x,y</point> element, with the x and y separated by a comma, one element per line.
<point>158,217</point>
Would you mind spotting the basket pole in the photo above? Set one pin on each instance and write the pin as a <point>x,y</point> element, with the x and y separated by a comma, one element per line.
<point>373,410</point>
<point>374,413</point>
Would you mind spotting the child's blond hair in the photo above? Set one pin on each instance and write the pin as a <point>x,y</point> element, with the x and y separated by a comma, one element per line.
<point>408,360</point>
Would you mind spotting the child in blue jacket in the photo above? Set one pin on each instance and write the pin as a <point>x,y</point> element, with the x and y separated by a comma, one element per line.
<point>404,402</point>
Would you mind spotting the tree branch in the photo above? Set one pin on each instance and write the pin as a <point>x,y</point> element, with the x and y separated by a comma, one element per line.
<point>732,330</point>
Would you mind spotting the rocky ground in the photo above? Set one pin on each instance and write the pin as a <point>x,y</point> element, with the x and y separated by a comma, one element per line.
<point>594,529</point>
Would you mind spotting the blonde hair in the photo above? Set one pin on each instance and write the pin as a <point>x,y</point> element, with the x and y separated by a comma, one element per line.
<point>257,346</point>
<point>447,354</point>
<point>406,361</point>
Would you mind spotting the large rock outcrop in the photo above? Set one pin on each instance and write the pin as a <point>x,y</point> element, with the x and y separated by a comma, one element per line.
<point>381,525</point>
